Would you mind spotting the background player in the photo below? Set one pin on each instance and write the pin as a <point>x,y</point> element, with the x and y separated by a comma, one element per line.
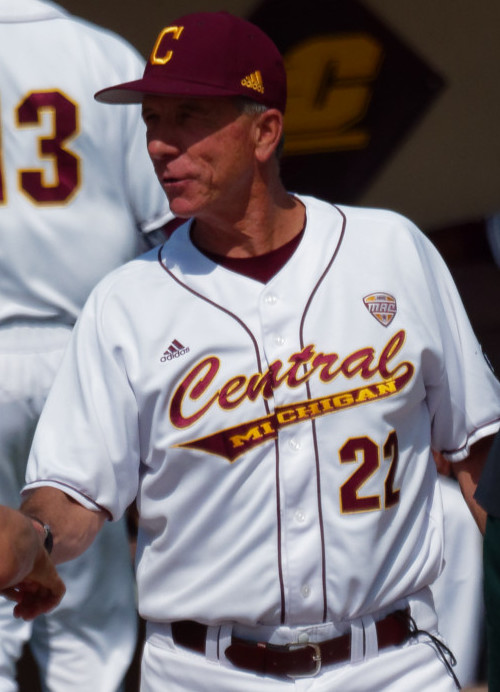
<point>458,592</point>
<point>76,187</point>
<point>488,495</point>
<point>289,517</point>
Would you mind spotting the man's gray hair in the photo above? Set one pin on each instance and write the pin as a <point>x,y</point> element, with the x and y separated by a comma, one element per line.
<point>251,107</point>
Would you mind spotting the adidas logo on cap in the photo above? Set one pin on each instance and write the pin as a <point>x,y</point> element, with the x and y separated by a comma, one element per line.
<point>254,81</point>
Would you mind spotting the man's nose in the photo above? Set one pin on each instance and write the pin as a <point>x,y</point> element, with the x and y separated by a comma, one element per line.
<point>163,146</point>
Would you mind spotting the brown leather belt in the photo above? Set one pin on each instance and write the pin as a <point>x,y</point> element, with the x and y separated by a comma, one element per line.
<point>292,660</point>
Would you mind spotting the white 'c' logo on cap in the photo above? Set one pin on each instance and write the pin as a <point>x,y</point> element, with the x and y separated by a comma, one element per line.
<point>156,59</point>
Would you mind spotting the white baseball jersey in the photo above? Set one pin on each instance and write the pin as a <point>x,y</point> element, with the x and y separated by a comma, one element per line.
<point>75,176</point>
<point>277,436</point>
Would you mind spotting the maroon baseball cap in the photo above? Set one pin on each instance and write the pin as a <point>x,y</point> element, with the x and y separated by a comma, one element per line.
<point>208,54</point>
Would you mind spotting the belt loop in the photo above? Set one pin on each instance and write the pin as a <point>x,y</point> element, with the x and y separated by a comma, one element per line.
<point>224,641</point>
<point>212,643</point>
<point>357,641</point>
<point>371,639</point>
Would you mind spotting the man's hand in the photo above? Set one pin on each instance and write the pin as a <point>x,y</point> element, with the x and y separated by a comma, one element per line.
<point>40,591</point>
<point>27,574</point>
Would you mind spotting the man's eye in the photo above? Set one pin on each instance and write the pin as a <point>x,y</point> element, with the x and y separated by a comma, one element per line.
<point>148,117</point>
<point>184,115</point>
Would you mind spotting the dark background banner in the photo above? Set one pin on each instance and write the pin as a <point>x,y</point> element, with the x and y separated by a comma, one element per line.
<point>355,91</point>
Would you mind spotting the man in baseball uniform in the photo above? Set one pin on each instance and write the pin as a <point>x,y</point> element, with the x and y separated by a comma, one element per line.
<point>76,189</point>
<point>268,385</point>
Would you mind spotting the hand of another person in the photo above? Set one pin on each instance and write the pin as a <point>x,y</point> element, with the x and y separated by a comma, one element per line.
<point>40,589</point>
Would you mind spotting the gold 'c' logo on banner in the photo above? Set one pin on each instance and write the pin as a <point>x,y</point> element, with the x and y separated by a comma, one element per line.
<point>156,59</point>
<point>330,84</point>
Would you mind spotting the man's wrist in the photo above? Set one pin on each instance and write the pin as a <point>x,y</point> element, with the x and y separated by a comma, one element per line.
<point>44,529</point>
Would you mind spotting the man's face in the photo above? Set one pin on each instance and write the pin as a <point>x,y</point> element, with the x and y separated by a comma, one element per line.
<point>203,153</point>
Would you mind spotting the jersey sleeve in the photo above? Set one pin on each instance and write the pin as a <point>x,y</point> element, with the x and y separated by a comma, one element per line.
<point>463,393</point>
<point>96,458</point>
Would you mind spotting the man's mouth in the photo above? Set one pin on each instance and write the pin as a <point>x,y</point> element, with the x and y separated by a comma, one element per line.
<point>173,180</point>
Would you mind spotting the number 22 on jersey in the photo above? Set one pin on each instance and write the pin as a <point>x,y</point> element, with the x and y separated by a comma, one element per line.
<point>368,452</point>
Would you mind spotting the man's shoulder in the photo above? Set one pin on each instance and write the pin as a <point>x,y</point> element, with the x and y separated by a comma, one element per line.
<point>30,11</point>
<point>375,215</point>
<point>360,216</point>
<point>131,277</point>
<point>101,36</point>
<point>49,20</point>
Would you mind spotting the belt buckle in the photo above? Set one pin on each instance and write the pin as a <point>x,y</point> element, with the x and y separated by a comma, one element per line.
<point>316,658</point>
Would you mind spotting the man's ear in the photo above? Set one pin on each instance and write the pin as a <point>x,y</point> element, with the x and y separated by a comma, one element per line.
<point>268,133</point>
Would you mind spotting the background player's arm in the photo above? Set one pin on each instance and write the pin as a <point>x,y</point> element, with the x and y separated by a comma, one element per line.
<point>468,472</point>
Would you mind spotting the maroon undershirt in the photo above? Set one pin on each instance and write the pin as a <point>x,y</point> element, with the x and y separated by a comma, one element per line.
<point>261,268</point>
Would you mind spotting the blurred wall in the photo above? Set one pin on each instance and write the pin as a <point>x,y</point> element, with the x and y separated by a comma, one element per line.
<point>448,168</point>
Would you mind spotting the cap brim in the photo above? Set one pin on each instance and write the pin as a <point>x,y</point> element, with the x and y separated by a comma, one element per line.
<point>134,92</point>
<point>128,92</point>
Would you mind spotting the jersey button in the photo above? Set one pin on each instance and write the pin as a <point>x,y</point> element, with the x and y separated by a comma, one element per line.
<point>300,516</point>
<point>271,299</point>
<point>295,445</point>
<point>279,340</point>
<point>306,591</point>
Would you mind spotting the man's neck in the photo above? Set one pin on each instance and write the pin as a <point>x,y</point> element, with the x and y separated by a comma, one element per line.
<point>262,229</point>
<point>259,267</point>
